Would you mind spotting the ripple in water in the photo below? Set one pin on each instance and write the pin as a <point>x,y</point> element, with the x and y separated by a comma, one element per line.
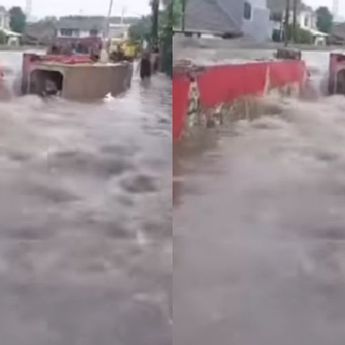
<point>260,244</point>
<point>79,186</point>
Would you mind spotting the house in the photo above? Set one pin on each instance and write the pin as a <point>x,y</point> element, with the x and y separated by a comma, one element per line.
<point>229,18</point>
<point>40,33</point>
<point>256,20</point>
<point>306,19</point>
<point>79,27</point>
<point>120,31</point>
<point>4,19</point>
<point>337,36</point>
<point>11,37</point>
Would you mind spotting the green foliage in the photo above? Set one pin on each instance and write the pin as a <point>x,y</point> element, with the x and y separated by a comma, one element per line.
<point>155,21</point>
<point>166,38</point>
<point>177,13</point>
<point>3,38</point>
<point>324,19</point>
<point>17,19</point>
<point>302,36</point>
<point>141,30</point>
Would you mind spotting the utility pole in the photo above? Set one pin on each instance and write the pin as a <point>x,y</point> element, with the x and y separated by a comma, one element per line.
<point>287,19</point>
<point>183,15</point>
<point>110,9</point>
<point>105,43</point>
<point>155,15</point>
<point>294,25</point>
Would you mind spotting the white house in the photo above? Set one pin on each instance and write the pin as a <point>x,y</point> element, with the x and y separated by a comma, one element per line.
<point>4,19</point>
<point>306,19</point>
<point>120,31</point>
<point>80,27</point>
<point>12,38</point>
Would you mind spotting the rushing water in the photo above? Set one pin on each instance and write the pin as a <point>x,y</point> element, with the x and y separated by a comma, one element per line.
<point>259,228</point>
<point>85,249</point>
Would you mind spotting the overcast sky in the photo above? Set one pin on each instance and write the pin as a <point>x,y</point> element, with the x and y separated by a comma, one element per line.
<point>133,7</point>
<point>62,7</point>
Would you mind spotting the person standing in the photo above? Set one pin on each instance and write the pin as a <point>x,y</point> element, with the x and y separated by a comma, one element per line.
<point>145,66</point>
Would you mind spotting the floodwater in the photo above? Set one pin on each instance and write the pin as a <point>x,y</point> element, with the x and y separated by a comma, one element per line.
<point>85,234</point>
<point>259,228</point>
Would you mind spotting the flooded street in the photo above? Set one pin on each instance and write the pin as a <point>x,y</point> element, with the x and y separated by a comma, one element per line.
<point>259,228</point>
<point>85,249</point>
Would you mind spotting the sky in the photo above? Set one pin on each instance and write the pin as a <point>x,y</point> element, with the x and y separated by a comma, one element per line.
<point>329,3</point>
<point>41,8</point>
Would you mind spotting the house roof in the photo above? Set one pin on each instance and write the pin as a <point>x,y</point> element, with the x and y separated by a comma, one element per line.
<point>338,30</point>
<point>43,31</point>
<point>11,33</point>
<point>82,23</point>
<point>208,16</point>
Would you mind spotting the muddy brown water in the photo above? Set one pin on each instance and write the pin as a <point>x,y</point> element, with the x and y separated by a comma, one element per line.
<point>259,228</point>
<point>85,218</point>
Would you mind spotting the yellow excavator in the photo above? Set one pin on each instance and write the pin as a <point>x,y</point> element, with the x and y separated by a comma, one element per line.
<point>123,49</point>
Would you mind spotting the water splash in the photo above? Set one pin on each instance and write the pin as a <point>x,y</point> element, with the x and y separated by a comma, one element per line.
<point>85,218</point>
<point>260,229</point>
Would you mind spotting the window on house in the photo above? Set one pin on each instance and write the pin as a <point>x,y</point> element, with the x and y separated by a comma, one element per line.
<point>93,32</point>
<point>69,32</point>
<point>276,16</point>
<point>66,32</point>
<point>306,21</point>
<point>247,10</point>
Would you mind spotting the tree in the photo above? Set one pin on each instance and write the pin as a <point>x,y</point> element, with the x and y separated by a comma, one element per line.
<point>324,19</point>
<point>3,38</point>
<point>155,18</point>
<point>17,19</point>
<point>300,35</point>
<point>141,31</point>
<point>179,7</point>
<point>167,24</point>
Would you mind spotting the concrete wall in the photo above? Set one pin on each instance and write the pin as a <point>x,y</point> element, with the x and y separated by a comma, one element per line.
<point>91,82</point>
